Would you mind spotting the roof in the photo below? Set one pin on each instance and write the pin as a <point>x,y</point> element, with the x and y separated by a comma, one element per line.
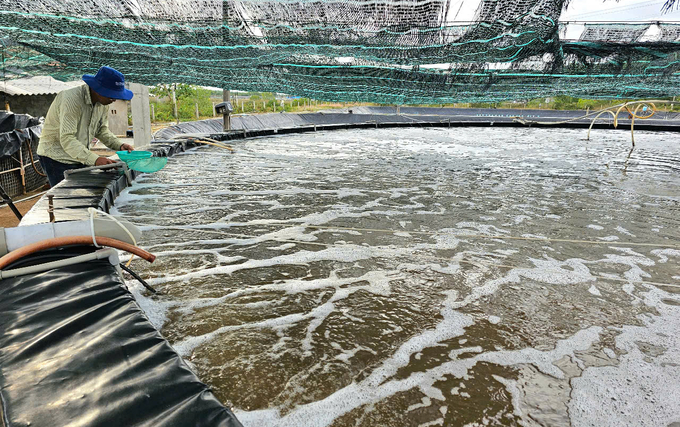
<point>40,85</point>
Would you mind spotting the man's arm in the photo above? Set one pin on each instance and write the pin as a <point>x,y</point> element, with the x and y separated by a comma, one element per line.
<point>68,129</point>
<point>106,136</point>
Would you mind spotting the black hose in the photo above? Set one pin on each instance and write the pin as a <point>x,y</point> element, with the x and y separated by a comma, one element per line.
<point>139,279</point>
<point>7,200</point>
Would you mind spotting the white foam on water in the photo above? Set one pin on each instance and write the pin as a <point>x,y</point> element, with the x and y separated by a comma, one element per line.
<point>644,389</point>
<point>402,234</point>
<point>477,228</point>
<point>534,236</point>
<point>155,311</point>
<point>609,352</point>
<point>593,290</point>
<point>345,253</point>
<point>634,260</point>
<point>378,283</point>
<point>624,231</point>
<point>515,393</point>
<point>437,422</point>
<point>219,257</point>
<point>595,227</point>
<point>188,344</point>
<point>424,403</point>
<point>665,254</point>
<point>291,191</point>
<point>283,247</point>
<point>506,252</point>
<point>494,320</point>
<point>521,218</point>
<point>377,386</point>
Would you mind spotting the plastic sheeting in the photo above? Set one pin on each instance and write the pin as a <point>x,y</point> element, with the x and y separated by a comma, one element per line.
<point>15,129</point>
<point>410,116</point>
<point>75,349</point>
<point>81,190</point>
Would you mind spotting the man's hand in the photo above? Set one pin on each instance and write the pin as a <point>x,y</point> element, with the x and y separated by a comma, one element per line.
<point>103,161</point>
<point>127,147</point>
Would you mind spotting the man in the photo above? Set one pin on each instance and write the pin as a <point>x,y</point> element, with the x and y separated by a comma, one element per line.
<point>76,117</point>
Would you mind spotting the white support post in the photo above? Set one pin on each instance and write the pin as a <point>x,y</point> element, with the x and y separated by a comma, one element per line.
<point>174,103</point>
<point>141,117</point>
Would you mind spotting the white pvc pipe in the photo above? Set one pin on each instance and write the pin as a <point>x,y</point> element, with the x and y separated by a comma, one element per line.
<point>109,253</point>
<point>17,237</point>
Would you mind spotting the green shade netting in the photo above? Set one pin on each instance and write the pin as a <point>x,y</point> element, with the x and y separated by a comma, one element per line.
<point>396,51</point>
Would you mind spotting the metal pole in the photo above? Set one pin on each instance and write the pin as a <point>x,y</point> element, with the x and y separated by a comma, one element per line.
<point>226,124</point>
<point>22,170</point>
<point>7,200</point>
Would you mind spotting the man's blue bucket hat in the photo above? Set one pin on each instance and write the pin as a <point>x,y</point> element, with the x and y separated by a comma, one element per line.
<point>109,83</point>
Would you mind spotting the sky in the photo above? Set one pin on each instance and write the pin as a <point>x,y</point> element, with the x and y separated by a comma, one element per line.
<point>585,10</point>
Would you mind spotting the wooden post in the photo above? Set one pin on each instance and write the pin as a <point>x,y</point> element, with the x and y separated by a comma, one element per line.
<point>197,114</point>
<point>50,207</point>
<point>153,113</point>
<point>214,112</point>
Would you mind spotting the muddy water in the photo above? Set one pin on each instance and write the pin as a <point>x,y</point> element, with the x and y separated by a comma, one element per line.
<point>423,277</point>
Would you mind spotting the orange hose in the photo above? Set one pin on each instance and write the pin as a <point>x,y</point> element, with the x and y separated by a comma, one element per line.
<point>69,241</point>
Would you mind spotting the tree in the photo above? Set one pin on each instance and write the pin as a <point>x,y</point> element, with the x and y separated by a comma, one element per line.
<point>182,91</point>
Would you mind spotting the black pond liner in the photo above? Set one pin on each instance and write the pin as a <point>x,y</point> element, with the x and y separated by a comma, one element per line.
<point>76,349</point>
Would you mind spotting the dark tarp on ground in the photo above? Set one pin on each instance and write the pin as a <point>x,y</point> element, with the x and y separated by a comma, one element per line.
<point>75,349</point>
<point>15,129</point>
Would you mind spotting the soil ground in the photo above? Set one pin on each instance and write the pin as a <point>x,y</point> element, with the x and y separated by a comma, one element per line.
<point>7,217</point>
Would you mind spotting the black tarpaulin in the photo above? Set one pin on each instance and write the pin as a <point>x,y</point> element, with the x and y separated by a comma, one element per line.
<point>76,350</point>
<point>15,129</point>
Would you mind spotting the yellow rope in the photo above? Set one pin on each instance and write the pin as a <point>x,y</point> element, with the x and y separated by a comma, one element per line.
<point>476,236</point>
<point>201,141</point>
<point>486,236</point>
<point>431,257</point>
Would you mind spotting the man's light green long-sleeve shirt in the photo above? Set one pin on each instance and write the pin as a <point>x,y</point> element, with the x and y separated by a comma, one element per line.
<point>71,123</point>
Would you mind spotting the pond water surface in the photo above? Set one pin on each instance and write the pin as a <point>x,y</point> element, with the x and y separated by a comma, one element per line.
<point>422,277</point>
